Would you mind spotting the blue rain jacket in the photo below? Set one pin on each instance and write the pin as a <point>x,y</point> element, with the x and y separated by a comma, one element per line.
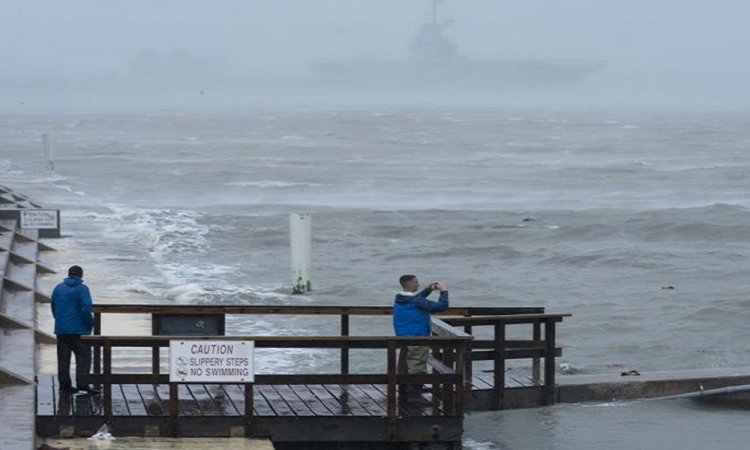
<point>411,313</point>
<point>71,307</point>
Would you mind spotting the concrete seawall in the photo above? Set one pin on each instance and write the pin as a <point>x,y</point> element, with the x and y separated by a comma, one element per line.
<point>19,335</point>
<point>606,388</point>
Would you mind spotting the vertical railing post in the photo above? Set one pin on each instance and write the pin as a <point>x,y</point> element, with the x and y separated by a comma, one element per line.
<point>392,380</point>
<point>174,408</point>
<point>535,365</point>
<point>449,389</point>
<point>96,347</point>
<point>107,382</point>
<point>499,368</point>
<point>345,349</point>
<point>155,352</point>
<point>549,361</point>
<point>458,393</point>
<point>249,402</point>
<point>468,362</point>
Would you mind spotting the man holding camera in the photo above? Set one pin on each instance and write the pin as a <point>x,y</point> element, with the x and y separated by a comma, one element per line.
<point>411,317</point>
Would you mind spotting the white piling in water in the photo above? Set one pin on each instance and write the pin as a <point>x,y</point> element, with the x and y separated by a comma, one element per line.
<point>300,227</point>
<point>49,159</point>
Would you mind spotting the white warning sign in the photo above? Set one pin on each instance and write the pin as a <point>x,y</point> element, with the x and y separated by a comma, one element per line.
<point>39,219</point>
<point>211,361</point>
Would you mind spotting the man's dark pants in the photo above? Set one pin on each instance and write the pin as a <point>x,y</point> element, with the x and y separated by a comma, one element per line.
<point>67,344</point>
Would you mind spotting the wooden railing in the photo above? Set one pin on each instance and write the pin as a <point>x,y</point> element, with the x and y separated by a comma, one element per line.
<point>448,324</point>
<point>499,349</point>
<point>447,379</point>
<point>344,314</point>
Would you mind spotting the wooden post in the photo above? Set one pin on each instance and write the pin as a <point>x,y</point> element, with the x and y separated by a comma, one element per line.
<point>499,365</point>
<point>448,388</point>
<point>468,362</point>
<point>107,382</point>
<point>345,350</point>
<point>549,361</point>
<point>249,402</point>
<point>535,364</point>
<point>174,408</point>
<point>96,347</point>
<point>155,351</point>
<point>392,374</point>
<point>458,393</point>
<point>300,226</point>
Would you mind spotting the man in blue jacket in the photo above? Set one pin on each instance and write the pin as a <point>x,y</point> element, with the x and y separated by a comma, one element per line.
<point>411,317</point>
<point>71,308</point>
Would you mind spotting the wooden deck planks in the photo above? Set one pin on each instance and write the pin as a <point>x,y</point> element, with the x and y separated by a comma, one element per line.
<point>224,404</point>
<point>203,399</point>
<point>133,400</point>
<point>365,400</point>
<point>277,403</point>
<point>152,402</point>
<point>229,400</point>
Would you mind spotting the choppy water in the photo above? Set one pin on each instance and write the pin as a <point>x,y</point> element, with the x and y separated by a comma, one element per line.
<point>591,212</point>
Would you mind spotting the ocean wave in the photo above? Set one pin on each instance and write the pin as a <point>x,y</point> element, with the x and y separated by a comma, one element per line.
<point>163,231</point>
<point>193,272</point>
<point>264,184</point>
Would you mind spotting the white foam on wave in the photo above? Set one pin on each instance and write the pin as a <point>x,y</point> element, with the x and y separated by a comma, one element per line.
<point>471,444</point>
<point>10,174</point>
<point>162,230</point>
<point>270,184</point>
<point>191,273</point>
<point>185,293</point>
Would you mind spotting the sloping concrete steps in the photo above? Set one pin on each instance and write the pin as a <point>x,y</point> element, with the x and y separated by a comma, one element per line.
<point>19,335</point>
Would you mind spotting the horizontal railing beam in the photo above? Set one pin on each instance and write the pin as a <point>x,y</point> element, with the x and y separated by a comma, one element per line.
<point>441,328</point>
<point>525,353</point>
<point>322,342</point>
<point>283,379</point>
<point>292,309</point>
<point>510,319</point>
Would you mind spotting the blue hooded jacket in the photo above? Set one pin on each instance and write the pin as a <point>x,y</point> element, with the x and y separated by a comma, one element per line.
<point>411,313</point>
<point>71,307</point>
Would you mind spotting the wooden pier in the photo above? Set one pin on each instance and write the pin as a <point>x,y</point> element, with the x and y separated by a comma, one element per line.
<point>336,407</point>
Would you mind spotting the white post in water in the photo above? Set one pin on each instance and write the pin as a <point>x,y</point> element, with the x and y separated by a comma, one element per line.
<point>300,226</point>
<point>49,161</point>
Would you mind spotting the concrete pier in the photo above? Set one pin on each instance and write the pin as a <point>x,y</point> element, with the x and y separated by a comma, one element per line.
<point>615,387</point>
<point>19,336</point>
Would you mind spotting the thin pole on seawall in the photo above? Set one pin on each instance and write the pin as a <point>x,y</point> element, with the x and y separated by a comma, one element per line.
<point>49,157</point>
<point>300,227</point>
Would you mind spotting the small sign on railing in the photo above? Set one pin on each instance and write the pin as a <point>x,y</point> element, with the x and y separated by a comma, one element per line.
<point>211,361</point>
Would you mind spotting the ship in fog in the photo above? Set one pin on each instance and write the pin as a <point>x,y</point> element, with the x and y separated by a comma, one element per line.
<point>434,61</point>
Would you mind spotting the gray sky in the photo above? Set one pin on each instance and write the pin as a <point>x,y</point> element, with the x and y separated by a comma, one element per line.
<point>692,41</point>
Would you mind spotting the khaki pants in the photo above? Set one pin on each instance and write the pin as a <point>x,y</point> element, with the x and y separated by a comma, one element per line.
<point>413,359</point>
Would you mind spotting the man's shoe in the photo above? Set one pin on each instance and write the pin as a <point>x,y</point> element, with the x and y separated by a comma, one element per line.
<point>91,390</point>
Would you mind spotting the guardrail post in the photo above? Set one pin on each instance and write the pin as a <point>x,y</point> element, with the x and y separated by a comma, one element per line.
<point>458,393</point>
<point>468,362</point>
<point>96,348</point>
<point>155,351</point>
<point>535,365</point>
<point>249,402</point>
<point>174,408</point>
<point>392,378</point>
<point>107,382</point>
<point>449,389</point>
<point>344,350</point>
<point>499,368</point>
<point>549,361</point>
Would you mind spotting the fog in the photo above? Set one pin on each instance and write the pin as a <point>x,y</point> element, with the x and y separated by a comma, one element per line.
<point>651,50</point>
